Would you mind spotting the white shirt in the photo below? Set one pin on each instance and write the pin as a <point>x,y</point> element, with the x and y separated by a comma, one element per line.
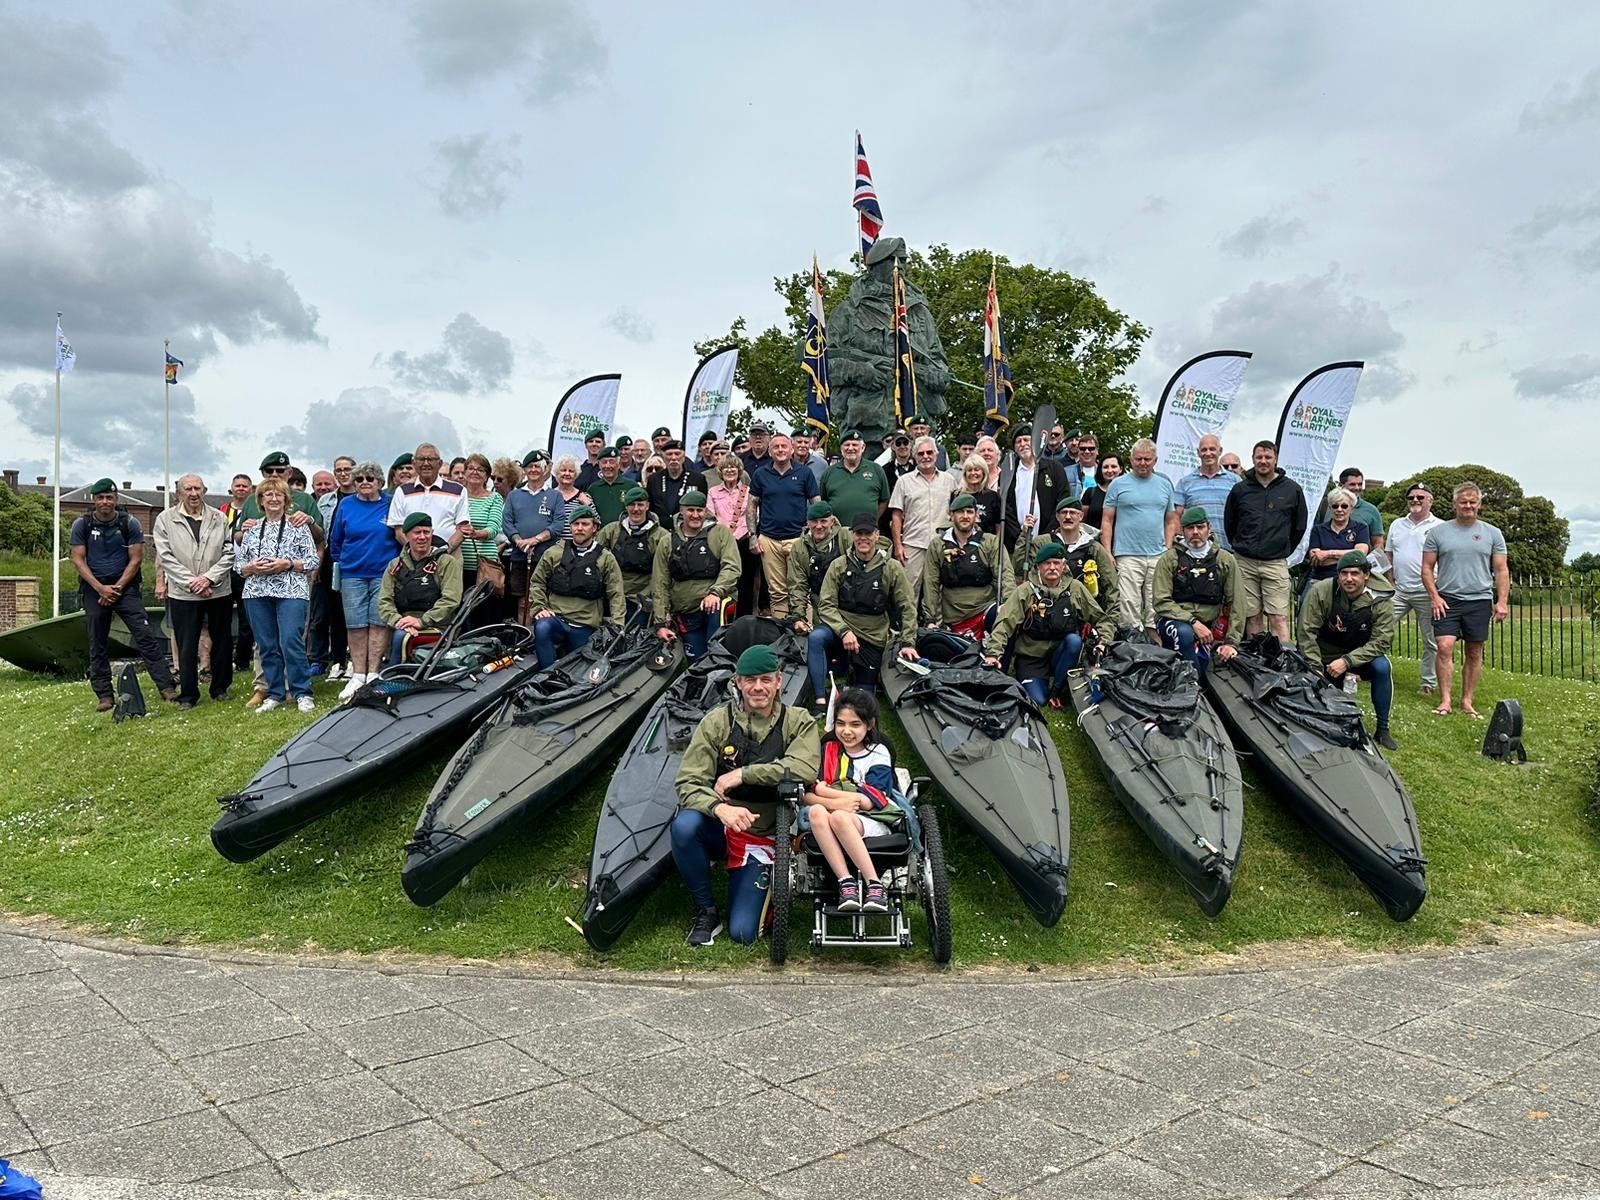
<point>1404,545</point>
<point>1025,501</point>
<point>445,502</point>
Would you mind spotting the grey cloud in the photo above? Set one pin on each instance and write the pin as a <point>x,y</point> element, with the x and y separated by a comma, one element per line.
<point>1565,104</point>
<point>549,47</point>
<point>1576,378</point>
<point>1261,236</point>
<point>1564,228</point>
<point>1297,325</point>
<point>1487,340</point>
<point>477,171</point>
<point>367,422</point>
<point>112,420</point>
<point>472,358</point>
<point>631,324</point>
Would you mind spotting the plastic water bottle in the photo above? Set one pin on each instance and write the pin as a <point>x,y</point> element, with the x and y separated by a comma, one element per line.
<point>1351,683</point>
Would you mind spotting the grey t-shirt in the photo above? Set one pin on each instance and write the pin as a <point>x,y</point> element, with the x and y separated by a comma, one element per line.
<point>1464,570</point>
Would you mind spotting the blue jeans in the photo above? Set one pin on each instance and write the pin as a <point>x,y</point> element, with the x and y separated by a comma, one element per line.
<point>554,636</point>
<point>360,600</point>
<point>1061,661</point>
<point>699,627</point>
<point>697,839</point>
<point>1179,635</point>
<point>279,626</point>
<point>823,646</point>
<point>1377,673</point>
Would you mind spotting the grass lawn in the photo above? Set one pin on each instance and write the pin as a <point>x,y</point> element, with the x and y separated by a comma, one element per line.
<point>105,826</point>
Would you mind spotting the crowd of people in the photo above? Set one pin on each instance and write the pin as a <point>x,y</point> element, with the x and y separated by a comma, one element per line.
<point>360,565</point>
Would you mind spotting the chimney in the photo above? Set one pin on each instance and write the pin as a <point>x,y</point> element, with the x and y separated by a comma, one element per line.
<point>127,486</point>
<point>39,479</point>
<point>11,478</point>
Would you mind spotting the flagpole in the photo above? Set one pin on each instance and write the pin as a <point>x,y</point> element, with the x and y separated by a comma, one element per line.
<point>166,426</point>
<point>55,524</point>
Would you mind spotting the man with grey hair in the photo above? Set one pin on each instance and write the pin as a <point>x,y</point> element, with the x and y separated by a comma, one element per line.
<point>1406,537</point>
<point>1468,581</point>
<point>1137,524</point>
<point>442,498</point>
<point>196,557</point>
<point>919,505</point>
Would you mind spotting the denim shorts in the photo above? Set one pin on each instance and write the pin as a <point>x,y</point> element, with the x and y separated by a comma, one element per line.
<point>360,600</point>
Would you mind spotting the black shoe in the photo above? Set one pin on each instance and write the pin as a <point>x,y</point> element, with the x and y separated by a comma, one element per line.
<point>707,924</point>
<point>185,705</point>
<point>220,697</point>
<point>1383,739</point>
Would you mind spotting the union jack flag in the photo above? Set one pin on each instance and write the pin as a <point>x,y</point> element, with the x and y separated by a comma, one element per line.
<point>869,217</point>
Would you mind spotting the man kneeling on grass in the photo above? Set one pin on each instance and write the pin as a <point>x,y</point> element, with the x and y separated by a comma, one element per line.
<point>1346,628</point>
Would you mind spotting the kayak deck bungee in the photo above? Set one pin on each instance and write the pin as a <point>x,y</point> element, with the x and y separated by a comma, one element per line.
<point>1168,759</point>
<point>60,645</point>
<point>544,741</point>
<point>986,746</point>
<point>1307,738</point>
<point>632,845</point>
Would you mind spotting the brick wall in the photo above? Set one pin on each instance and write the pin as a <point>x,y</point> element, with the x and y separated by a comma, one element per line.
<point>19,600</point>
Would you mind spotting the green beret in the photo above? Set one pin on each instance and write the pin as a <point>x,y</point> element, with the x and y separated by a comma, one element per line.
<point>533,456</point>
<point>962,500</point>
<point>279,459</point>
<point>757,660</point>
<point>101,486</point>
<point>919,419</point>
<point>661,431</point>
<point>693,499</point>
<point>595,433</point>
<point>624,442</point>
<point>405,461</point>
<point>1193,515</point>
<point>709,435</point>
<point>635,494</point>
<point>583,511</point>
<point>609,452</point>
<point>1354,558</point>
<point>851,435</point>
<point>800,431</point>
<point>819,511</point>
<point>1048,551</point>
<point>418,519</point>
<point>1070,502</point>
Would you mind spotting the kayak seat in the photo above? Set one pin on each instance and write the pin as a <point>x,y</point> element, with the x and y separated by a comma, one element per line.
<point>751,631</point>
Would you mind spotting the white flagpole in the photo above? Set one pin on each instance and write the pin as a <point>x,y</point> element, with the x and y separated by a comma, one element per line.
<point>166,426</point>
<point>55,524</point>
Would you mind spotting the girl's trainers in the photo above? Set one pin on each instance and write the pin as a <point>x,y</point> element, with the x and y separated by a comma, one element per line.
<point>849,894</point>
<point>877,898</point>
<point>267,706</point>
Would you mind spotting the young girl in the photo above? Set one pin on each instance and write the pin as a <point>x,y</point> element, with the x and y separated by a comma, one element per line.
<point>854,799</point>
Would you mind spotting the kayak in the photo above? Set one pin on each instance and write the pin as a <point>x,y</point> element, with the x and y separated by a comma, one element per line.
<point>1308,740</point>
<point>1167,757</point>
<point>409,710</point>
<point>632,848</point>
<point>545,740</point>
<point>60,645</point>
<point>985,744</point>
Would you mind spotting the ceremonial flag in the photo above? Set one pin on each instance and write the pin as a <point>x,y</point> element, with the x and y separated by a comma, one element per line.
<point>1196,402</point>
<point>905,367</point>
<point>66,356</point>
<point>997,386</point>
<point>1311,430</point>
<point>814,361</point>
<point>869,217</point>
<point>589,404</point>
<point>172,368</point>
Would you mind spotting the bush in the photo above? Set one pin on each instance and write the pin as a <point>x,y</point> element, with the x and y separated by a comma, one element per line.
<point>1536,538</point>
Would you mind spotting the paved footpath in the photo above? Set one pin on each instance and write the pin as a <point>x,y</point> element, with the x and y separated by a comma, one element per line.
<point>1463,1074</point>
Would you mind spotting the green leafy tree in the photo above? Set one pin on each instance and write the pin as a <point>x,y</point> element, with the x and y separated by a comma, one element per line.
<point>1066,344</point>
<point>1536,537</point>
<point>25,524</point>
<point>1585,564</point>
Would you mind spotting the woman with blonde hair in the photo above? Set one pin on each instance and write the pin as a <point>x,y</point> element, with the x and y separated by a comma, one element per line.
<point>277,560</point>
<point>729,502</point>
<point>507,476</point>
<point>973,478</point>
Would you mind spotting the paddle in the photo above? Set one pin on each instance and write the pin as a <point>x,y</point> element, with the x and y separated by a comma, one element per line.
<point>458,623</point>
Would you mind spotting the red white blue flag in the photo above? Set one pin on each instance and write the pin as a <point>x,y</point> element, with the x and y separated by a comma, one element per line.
<point>869,217</point>
<point>814,360</point>
<point>997,386</point>
<point>172,368</point>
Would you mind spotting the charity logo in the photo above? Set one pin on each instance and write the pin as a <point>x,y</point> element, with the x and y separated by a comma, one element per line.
<point>707,402</point>
<point>1191,399</point>
<point>1315,418</point>
<point>577,423</point>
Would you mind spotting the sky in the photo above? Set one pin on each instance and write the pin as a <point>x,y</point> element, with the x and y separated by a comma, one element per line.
<point>366,224</point>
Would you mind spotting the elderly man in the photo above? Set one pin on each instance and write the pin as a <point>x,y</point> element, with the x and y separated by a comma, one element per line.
<point>1406,538</point>
<point>637,455</point>
<point>240,490</point>
<point>705,456</point>
<point>1264,519</point>
<point>760,452</point>
<point>807,455</point>
<point>443,499</point>
<point>1230,463</point>
<point>728,793</point>
<point>866,606</point>
<point>196,555</point>
<point>574,591</point>
<point>668,488</point>
<point>659,439</point>
<point>327,642</point>
<point>632,542</point>
<point>965,578</point>
<point>421,590</point>
<point>535,519</point>
<point>1088,561</point>
<point>780,491</point>
<point>919,427</point>
<point>696,569</point>
<point>1197,594</point>
<point>1346,625</point>
<point>302,505</point>
<point>1465,573</point>
<point>1043,622</point>
<point>1037,486</point>
<point>1207,487</point>
<point>608,487</point>
<point>1137,527</point>
<point>918,506</point>
<point>853,485</point>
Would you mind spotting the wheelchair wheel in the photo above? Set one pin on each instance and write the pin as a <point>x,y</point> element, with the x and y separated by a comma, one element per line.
<point>780,897</point>
<point>933,889</point>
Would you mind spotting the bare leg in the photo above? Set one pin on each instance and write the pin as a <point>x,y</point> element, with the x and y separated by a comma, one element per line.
<point>848,830</point>
<point>1280,627</point>
<point>1470,671</point>
<point>822,833</point>
<point>1446,663</point>
<point>358,651</point>
<point>1253,623</point>
<point>377,646</point>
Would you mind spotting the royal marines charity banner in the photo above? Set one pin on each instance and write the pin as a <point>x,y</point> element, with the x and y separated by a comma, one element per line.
<point>1197,401</point>
<point>589,404</point>
<point>709,400</point>
<point>1311,430</point>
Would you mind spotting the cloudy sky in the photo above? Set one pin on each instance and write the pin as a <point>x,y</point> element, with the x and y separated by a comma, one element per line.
<point>369,222</point>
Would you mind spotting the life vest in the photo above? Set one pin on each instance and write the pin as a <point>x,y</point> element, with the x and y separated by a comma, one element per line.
<point>963,566</point>
<point>1345,626</point>
<point>1197,581</point>
<point>578,576</point>
<point>1078,557</point>
<point>634,552</point>
<point>691,558</point>
<point>862,591</point>
<point>821,559</point>
<point>416,585</point>
<point>1050,618</point>
<point>742,750</point>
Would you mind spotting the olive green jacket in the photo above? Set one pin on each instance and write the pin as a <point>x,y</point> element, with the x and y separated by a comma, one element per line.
<point>449,577</point>
<point>1166,606</point>
<point>670,597</point>
<point>1104,590</point>
<point>635,586</point>
<point>800,555</point>
<point>898,624</point>
<point>697,771</point>
<point>608,609</point>
<point>1318,603</point>
<point>948,605</point>
<point>1015,610</point>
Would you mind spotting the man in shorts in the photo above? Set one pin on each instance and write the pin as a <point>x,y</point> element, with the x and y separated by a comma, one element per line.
<point>1468,583</point>
<point>1264,519</point>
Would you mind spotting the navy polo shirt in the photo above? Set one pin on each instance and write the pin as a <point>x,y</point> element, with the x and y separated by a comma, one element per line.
<point>784,499</point>
<point>104,548</point>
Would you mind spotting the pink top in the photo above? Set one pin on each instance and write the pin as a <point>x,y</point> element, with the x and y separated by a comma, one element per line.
<point>730,504</point>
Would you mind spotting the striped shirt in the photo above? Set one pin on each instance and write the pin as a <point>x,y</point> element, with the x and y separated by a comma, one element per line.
<point>1194,490</point>
<point>485,513</point>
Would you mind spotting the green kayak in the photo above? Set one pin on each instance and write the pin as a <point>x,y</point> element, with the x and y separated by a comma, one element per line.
<point>60,646</point>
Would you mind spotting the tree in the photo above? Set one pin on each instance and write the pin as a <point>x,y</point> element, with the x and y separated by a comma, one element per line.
<point>1536,538</point>
<point>1066,344</point>
<point>1585,564</point>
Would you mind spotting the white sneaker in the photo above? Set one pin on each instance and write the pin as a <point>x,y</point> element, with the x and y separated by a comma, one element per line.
<point>351,687</point>
<point>267,705</point>
<point>307,704</point>
<point>335,671</point>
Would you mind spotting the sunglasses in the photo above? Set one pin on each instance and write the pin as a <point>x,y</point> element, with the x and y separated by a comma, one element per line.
<point>1338,507</point>
<point>276,470</point>
<point>1419,498</point>
<point>1232,466</point>
<point>367,479</point>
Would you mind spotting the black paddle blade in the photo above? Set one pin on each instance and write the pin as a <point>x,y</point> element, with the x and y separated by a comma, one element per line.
<point>130,696</point>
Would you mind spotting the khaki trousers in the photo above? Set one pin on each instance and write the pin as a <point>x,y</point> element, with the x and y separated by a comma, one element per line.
<point>775,569</point>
